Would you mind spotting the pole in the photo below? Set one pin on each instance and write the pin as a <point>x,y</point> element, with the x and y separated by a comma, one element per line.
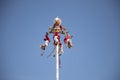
<point>57,63</point>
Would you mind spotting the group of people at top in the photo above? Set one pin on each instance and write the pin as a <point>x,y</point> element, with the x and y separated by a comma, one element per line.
<point>56,30</point>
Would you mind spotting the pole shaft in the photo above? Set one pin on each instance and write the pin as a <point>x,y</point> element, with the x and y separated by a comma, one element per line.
<point>57,63</point>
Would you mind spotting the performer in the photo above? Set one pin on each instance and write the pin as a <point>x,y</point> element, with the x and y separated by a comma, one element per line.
<point>67,40</point>
<point>58,24</point>
<point>56,38</point>
<point>47,41</point>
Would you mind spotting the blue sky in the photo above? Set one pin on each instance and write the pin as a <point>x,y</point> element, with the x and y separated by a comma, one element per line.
<point>95,25</point>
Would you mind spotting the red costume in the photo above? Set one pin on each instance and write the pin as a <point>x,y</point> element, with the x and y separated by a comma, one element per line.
<point>46,37</point>
<point>56,38</point>
<point>67,40</point>
<point>47,41</point>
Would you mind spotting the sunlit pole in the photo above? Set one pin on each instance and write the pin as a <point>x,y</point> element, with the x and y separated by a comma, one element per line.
<point>57,63</point>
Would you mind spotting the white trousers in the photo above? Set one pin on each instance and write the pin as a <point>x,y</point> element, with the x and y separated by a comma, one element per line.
<point>56,39</point>
<point>46,42</point>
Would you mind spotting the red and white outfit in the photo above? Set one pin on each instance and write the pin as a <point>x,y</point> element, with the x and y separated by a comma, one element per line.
<point>67,40</point>
<point>47,39</point>
<point>56,38</point>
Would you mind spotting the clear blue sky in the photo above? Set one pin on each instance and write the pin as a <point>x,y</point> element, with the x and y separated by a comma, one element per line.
<point>95,25</point>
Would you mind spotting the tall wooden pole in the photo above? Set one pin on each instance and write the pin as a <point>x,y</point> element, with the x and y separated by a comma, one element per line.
<point>57,62</point>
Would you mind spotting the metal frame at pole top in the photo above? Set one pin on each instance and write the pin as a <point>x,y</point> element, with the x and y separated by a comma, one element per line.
<point>57,62</point>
